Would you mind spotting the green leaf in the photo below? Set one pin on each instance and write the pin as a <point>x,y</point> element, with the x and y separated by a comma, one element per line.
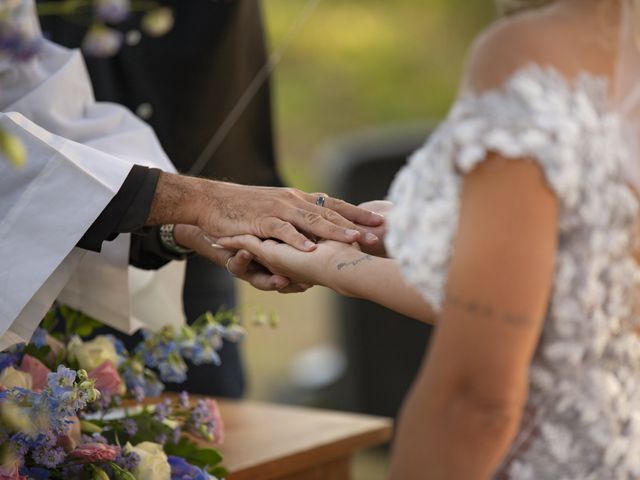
<point>192,453</point>
<point>50,320</point>
<point>77,323</point>
<point>218,472</point>
<point>120,473</point>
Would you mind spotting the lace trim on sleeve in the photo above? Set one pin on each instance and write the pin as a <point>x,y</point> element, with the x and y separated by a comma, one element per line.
<point>536,116</point>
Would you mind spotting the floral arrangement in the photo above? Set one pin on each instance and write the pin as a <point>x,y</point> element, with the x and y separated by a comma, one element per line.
<point>78,409</point>
<point>103,39</point>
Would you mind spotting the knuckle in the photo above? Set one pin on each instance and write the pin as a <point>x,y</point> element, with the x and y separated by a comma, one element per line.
<point>284,227</point>
<point>312,218</point>
<point>291,193</point>
<point>331,215</point>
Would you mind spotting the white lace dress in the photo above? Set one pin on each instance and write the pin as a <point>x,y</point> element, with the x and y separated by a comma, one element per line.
<point>583,415</point>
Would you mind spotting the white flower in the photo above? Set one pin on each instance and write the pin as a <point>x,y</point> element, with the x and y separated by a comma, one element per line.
<point>158,21</point>
<point>92,354</point>
<point>10,377</point>
<point>101,41</point>
<point>153,465</point>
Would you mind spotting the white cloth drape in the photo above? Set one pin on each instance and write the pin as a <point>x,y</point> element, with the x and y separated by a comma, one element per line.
<point>79,154</point>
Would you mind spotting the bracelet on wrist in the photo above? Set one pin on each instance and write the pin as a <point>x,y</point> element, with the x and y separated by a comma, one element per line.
<point>168,241</point>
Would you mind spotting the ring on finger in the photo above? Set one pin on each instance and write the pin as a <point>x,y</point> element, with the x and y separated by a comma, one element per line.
<point>226,264</point>
<point>320,200</point>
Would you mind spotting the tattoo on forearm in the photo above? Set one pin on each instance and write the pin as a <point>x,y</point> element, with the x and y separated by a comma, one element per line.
<point>354,263</point>
<point>486,311</point>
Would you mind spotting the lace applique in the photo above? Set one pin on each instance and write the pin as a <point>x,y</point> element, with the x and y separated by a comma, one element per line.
<point>584,383</point>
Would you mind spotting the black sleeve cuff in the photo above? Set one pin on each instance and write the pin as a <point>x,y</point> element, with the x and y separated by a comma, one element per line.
<point>127,211</point>
<point>147,251</point>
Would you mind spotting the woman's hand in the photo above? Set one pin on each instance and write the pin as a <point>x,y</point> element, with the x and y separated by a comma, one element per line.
<point>239,263</point>
<point>312,268</point>
<point>381,207</point>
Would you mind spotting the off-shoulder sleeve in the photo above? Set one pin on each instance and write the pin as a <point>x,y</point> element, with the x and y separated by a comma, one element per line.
<point>536,116</point>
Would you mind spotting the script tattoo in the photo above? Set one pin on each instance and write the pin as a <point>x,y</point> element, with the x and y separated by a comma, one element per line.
<point>354,263</point>
<point>486,311</point>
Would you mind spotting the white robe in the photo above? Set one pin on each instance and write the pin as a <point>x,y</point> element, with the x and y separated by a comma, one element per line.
<point>79,153</point>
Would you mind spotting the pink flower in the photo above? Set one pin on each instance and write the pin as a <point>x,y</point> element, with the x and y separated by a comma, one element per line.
<point>9,471</point>
<point>96,452</point>
<point>216,418</point>
<point>37,370</point>
<point>107,379</point>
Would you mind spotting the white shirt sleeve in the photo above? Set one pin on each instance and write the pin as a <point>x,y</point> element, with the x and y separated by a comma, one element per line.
<point>79,152</point>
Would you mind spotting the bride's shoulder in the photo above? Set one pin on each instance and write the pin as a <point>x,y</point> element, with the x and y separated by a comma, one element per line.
<point>513,43</point>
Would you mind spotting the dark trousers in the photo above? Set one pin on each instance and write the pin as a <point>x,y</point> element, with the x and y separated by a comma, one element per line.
<point>208,287</point>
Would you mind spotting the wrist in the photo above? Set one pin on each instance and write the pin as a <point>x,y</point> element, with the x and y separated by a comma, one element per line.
<point>340,273</point>
<point>176,200</point>
<point>169,242</point>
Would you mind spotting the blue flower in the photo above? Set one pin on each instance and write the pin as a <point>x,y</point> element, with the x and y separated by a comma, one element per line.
<point>39,337</point>
<point>172,373</point>
<point>61,381</point>
<point>182,470</point>
<point>36,473</point>
<point>119,346</point>
<point>7,360</point>
<point>203,353</point>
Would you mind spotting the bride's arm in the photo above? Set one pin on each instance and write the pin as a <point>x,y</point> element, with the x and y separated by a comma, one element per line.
<point>341,267</point>
<point>356,274</point>
<point>466,404</point>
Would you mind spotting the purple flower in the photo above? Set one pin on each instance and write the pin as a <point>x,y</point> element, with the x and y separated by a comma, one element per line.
<point>130,426</point>
<point>162,410</point>
<point>138,393</point>
<point>16,44</point>
<point>128,460</point>
<point>176,434</point>
<point>113,11</point>
<point>184,399</point>
<point>47,456</point>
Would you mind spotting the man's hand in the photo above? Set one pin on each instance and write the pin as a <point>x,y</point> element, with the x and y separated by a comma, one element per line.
<point>240,263</point>
<point>226,209</point>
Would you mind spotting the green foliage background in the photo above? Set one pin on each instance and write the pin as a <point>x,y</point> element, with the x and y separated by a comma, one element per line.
<point>359,63</point>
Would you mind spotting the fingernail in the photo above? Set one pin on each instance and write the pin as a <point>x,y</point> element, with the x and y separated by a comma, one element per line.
<point>352,233</point>
<point>371,238</point>
<point>309,245</point>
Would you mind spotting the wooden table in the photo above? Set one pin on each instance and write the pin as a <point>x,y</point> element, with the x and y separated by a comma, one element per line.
<point>269,442</point>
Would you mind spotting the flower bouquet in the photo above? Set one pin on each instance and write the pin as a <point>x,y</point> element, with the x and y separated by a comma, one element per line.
<point>78,409</point>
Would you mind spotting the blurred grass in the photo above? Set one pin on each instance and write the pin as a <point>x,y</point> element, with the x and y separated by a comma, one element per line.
<point>358,63</point>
